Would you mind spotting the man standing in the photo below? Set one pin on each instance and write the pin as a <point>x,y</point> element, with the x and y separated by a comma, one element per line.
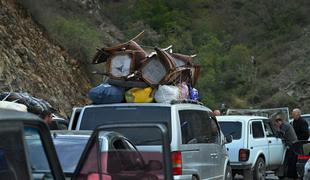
<point>300,125</point>
<point>287,133</point>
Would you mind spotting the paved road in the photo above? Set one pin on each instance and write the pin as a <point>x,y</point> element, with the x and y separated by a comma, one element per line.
<point>269,177</point>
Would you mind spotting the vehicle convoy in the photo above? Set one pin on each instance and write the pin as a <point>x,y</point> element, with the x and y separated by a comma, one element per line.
<point>27,152</point>
<point>197,144</point>
<point>255,147</point>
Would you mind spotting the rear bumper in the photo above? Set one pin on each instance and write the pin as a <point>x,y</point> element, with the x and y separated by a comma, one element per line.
<point>238,166</point>
<point>183,177</point>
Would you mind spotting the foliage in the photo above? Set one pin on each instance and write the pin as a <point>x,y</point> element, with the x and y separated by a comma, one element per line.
<point>225,35</point>
<point>78,37</point>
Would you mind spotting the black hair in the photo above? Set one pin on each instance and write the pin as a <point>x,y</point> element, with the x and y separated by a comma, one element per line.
<point>45,113</point>
<point>279,119</point>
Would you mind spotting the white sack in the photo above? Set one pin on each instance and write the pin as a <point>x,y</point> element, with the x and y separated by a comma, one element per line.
<point>166,94</point>
<point>13,106</point>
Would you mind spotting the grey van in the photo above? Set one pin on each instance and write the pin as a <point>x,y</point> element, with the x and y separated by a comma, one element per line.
<point>197,144</point>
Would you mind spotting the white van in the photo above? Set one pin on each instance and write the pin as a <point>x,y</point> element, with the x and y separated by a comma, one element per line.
<point>197,144</point>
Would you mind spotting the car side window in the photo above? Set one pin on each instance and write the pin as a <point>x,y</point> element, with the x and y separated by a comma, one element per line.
<point>135,156</point>
<point>195,127</point>
<point>268,129</point>
<point>257,129</point>
<point>215,132</point>
<point>90,163</point>
<point>36,153</point>
<point>126,156</point>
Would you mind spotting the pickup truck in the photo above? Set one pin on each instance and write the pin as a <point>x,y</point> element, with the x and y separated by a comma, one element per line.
<point>255,148</point>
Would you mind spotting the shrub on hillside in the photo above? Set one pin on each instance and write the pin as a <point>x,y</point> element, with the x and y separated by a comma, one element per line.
<point>77,36</point>
<point>280,100</point>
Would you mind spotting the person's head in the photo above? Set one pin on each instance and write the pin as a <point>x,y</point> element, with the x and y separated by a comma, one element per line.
<point>296,113</point>
<point>278,121</point>
<point>217,112</point>
<point>46,115</point>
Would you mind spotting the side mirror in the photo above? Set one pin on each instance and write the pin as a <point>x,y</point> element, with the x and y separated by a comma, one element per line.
<point>228,139</point>
<point>154,165</point>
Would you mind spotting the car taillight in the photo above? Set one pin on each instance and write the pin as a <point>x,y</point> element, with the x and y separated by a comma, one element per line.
<point>177,162</point>
<point>244,154</point>
<point>303,157</point>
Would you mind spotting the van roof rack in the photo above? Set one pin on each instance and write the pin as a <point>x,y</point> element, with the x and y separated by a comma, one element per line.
<point>186,101</point>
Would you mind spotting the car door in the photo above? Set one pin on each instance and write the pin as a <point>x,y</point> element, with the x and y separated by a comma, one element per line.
<point>26,148</point>
<point>257,140</point>
<point>220,154</point>
<point>123,162</point>
<point>275,146</point>
<point>199,153</point>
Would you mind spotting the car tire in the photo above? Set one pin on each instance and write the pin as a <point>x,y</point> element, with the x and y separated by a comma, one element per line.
<point>194,178</point>
<point>228,173</point>
<point>259,169</point>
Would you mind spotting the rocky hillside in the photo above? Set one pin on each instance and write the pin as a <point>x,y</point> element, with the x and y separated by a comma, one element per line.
<point>29,62</point>
<point>252,53</point>
<point>78,25</point>
<point>248,58</point>
<point>292,76</point>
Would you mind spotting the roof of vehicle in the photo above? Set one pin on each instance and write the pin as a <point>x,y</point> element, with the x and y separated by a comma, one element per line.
<point>73,133</point>
<point>148,104</point>
<point>302,115</point>
<point>81,134</point>
<point>6,114</point>
<point>238,118</point>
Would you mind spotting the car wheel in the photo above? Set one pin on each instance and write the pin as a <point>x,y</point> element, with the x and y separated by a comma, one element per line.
<point>194,178</point>
<point>228,173</point>
<point>259,169</point>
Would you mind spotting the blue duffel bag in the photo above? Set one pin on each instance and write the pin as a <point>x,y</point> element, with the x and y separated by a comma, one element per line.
<point>106,93</point>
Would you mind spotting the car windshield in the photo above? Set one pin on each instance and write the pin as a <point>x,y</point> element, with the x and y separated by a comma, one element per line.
<point>231,128</point>
<point>68,152</point>
<point>94,116</point>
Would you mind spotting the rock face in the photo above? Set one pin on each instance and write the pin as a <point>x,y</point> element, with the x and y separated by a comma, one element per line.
<point>29,62</point>
<point>46,13</point>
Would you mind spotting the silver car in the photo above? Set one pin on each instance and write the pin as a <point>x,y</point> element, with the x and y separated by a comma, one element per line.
<point>110,154</point>
<point>197,144</point>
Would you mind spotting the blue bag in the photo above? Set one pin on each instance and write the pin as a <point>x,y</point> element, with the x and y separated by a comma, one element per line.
<point>106,93</point>
<point>193,93</point>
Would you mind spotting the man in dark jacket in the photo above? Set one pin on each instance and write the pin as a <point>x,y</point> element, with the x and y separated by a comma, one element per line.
<point>300,125</point>
<point>287,133</point>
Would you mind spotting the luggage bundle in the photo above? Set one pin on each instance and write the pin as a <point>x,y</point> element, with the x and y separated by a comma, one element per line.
<point>24,102</point>
<point>140,77</point>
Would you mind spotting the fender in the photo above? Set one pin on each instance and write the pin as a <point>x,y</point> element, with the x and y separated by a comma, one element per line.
<point>190,172</point>
<point>225,166</point>
<point>259,153</point>
<point>284,153</point>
